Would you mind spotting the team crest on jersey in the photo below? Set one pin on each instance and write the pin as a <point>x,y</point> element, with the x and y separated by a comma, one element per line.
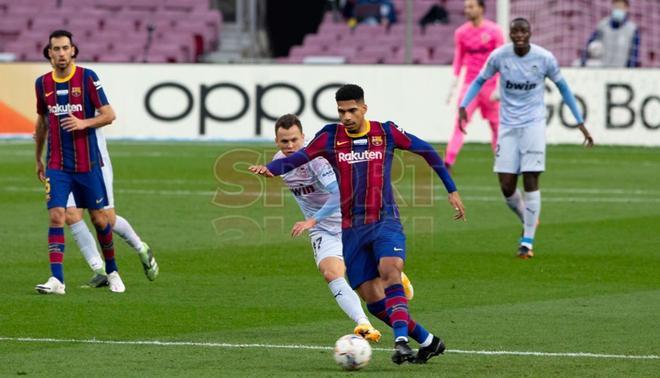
<point>76,91</point>
<point>377,140</point>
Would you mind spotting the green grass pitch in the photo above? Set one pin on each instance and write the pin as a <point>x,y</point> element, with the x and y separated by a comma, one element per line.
<point>231,275</point>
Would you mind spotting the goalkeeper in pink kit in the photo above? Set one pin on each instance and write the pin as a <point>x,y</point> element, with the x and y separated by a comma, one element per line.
<point>474,41</point>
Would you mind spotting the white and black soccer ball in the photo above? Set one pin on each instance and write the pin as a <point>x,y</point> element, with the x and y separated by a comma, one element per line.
<point>352,352</point>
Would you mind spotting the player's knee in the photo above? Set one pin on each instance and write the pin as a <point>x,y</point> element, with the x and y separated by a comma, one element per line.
<point>331,269</point>
<point>99,219</point>
<point>507,190</point>
<point>72,217</point>
<point>57,217</point>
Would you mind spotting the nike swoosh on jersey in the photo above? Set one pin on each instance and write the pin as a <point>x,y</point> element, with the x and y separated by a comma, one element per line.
<point>48,93</point>
<point>343,142</point>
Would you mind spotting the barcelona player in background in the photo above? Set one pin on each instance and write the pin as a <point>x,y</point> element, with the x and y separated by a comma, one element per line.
<point>71,104</point>
<point>361,152</point>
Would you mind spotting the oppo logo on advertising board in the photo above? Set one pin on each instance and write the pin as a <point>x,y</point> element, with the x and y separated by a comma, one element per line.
<point>209,110</point>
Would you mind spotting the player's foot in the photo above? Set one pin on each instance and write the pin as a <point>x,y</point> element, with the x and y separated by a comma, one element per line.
<point>148,262</point>
<point>407,286</point>
<point>524,253</point>
<point>402,353</point>
<point>98,280</point>
<point>425,353</point>
<point>368,332</point>
<point>52,286</point>
<point>115,283</point>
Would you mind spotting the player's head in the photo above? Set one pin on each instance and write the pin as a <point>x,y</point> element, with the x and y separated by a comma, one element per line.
<point>620,9</point>
<point>289,135</point>
<point>474,9</point>
<point>351,106</point>
<point>60,50</point>
<point>520,31</point>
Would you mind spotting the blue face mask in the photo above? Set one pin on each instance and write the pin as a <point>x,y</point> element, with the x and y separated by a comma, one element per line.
<point>618,14</point>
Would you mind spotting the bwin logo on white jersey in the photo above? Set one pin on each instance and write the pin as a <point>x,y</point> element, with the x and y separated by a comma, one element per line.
<point>527,86</point>
<point>359,157</point>
<point>60,109</point>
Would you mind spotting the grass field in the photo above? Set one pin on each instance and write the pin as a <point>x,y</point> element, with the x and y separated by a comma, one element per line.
<point>236,296</point>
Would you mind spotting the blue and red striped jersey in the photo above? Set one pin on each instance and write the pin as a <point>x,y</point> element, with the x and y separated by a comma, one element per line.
<point>81,94</point>
<point>363,165</point>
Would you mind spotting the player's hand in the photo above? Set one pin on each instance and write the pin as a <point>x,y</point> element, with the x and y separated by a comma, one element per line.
<point>457,204</point>
<point>260,170</point>
<point>72,123</point>
<point>300,227</point>
<point>41,173</point>
<point>588,140</point>
<point>462,119</point>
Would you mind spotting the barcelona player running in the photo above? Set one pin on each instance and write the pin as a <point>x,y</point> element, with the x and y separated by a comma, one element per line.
<point>523,68</point>
<point>68,100</point>
<point>474,41</point>
<point>361,152</point>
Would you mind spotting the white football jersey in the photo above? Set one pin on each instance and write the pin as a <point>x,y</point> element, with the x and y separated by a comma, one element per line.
<point>307,183</point>
<point>522,83</point>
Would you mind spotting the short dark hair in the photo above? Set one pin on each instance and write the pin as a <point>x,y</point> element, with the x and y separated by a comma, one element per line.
<point>287,121</point>
<point>482,3</point>
<point>57,34</point>
<point>521,19</point>
<point>622,1</point>
<point>349,92</point>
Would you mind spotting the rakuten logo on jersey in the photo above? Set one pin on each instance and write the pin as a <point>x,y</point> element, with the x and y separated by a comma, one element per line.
<point>359,157</point>
<point>60,109</point>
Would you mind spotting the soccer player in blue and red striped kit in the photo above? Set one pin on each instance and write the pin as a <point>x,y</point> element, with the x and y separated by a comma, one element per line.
<point>71,103</point>
<point>361,152</point>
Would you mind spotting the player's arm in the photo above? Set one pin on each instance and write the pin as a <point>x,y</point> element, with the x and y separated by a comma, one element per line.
<point>40,133</point>
<point>104,117</point>
<point>569,99</point>
<point>279,167</point>
<point>471,93</point>
<point>457,65</point>
<point>329,207</point>
<point>595,36</point>
<point>422,148</point>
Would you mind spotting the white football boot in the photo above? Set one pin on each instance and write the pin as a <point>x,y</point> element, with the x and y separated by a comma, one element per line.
<point>115,282</point>
<point>52,286</point>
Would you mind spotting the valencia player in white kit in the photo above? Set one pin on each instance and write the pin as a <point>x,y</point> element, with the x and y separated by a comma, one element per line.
<point>523,68</point>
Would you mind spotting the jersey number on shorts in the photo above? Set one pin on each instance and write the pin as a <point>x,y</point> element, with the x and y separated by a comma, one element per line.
<point>316,245</point>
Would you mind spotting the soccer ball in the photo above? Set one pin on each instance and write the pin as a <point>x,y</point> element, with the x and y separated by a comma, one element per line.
<point>352,352</point>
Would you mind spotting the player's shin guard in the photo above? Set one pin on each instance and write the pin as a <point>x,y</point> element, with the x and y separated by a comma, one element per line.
<point>56,251</point>
<point>531,219</point>
<point>126,232</point>
<point>396,304</point>
<point>87,245</point>
<point>107,247</point>
<point>516,204</point>
<point>415,330</point>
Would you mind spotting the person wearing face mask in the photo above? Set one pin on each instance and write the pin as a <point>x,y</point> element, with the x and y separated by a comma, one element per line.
<point>619,37</point>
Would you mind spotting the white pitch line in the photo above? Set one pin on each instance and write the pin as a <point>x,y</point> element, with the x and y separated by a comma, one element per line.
<point>317,347</point>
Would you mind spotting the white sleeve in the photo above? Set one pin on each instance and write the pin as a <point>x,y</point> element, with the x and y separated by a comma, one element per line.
<point>323,171</point>
<point>552,69</point>
<point>491,67</point>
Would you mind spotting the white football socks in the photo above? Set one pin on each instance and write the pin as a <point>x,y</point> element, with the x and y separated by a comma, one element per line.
<point>87,245</point>
<point>126,232</point>
<point>348,300</point>
<point>531,218</point>
<point>515,203</point>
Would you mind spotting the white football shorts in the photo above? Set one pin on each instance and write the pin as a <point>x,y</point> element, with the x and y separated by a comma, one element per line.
<point>325,244</point>
<point>106,169</point>
<point>520,149</point>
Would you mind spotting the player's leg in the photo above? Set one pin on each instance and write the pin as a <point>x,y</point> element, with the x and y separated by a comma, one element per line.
<point>123,228</point>
<point>86,242</point>
<point>89,192</point>
<point>507,167</point>
<point>532,164</point>
<point>330,262</point>
<point>58,187</point>
<point>490,110</point>
<point>458,138</point>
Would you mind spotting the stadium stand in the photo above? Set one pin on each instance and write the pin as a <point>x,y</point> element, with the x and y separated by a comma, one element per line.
<point>562,26</point>
<point>113,30</point>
